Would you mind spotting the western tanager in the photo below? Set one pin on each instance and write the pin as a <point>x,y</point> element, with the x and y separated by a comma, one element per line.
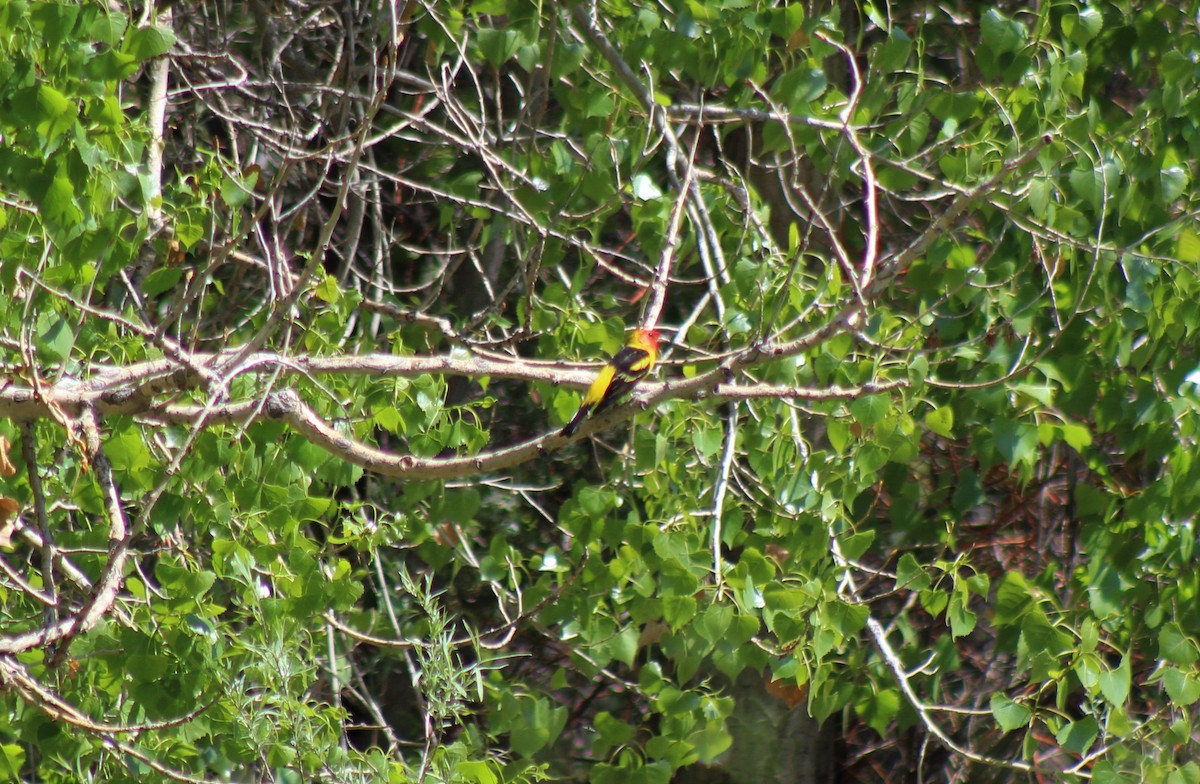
<point>626,368</point>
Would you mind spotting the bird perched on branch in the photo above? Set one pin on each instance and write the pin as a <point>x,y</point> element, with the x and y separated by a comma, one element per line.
<point>627,367</point>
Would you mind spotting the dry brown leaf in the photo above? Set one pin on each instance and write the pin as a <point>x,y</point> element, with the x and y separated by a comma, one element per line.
<point>8,520</point>
<point>790,693</point>
<point>6,466</point>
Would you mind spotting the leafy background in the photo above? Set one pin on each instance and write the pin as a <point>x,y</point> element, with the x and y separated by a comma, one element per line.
<point>295,294</point>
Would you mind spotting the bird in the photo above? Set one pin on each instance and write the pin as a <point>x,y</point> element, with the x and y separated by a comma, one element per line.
<point>627,367</point>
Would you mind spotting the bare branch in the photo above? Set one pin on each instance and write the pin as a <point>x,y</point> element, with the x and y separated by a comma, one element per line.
<point>849,590</point>
<point>33,471</point>
<point>15,675</point>
<point>104,593</point>
<point>871,252</point>
<point>720,486</point>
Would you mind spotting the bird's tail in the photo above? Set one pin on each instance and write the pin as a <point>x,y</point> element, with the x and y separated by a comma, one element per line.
<point>576,421</point>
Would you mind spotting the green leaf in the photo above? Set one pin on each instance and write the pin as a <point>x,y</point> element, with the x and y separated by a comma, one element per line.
<point>708,440</point>
<point>54,21</point>
<point>711,742</point>
<point>497,46</point>
<point>234,193</point>
<point>878,709</point>
<point>611,731</point>
<point>1093,184</point>
<point>839,435</point>
<point>714,622</point>
<point>1040,636</point>
<point>126,450</point>
<point>1114,684</point>
<point>201,626</point>
<point>1088,668</point>
<point>910,575</point>
<point>895,51</point>
<point>1091,503</point>
<point>1173,181</point>
<point>1107,591</point>
<point>538,725</point>
<point>1083,26</point>
<point>55,338</point>
<point>57,112</point>
<point>855,545</point>
<point>1175,646</point>
<point>624,645</point>
<point>184,582</point>
<point>328,290</point>
<point>1180,731</point>
<point>645,188</point>
<point>1042,393</point>
<point>12,760</point>
<point>1016,442</point>
<point>478,771</point>
<point>1078,735</point>
<point>1078,437</point>
<point>57,203</point>
<point>941,421</point>
<point>845,618</point>
<point>161,280</point>
<point>1182,687</point>
<point>461,505</point>
<point>1001,34</point>
<point>779,598</point>
<point>596,502</point>
<point>1104,772</point>
<point>147,42</point>
<point>1187,245</point>
<point>599,104</point>
<point>146,668</point>
<point>870,409</point>
<point>798,87</point>
<point>962,619</point>
<point>678,610</point>
<point>1041,193</point>
<point>1009,714</point>
<point>528,56</point>
<point>1188,773</point>
<point>109,27</point>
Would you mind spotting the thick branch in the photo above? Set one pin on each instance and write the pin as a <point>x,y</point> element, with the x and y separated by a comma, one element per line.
<point>287,406</point>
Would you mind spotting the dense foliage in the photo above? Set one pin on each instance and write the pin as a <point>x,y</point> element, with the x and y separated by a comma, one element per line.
<point>299,294</point>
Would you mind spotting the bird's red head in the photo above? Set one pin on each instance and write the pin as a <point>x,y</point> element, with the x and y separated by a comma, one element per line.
<point>645,339</point>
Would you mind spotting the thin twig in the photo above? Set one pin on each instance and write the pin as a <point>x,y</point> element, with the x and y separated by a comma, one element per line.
<point>33,471</point>
<point>719,488</point>
<point>871,252</point>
